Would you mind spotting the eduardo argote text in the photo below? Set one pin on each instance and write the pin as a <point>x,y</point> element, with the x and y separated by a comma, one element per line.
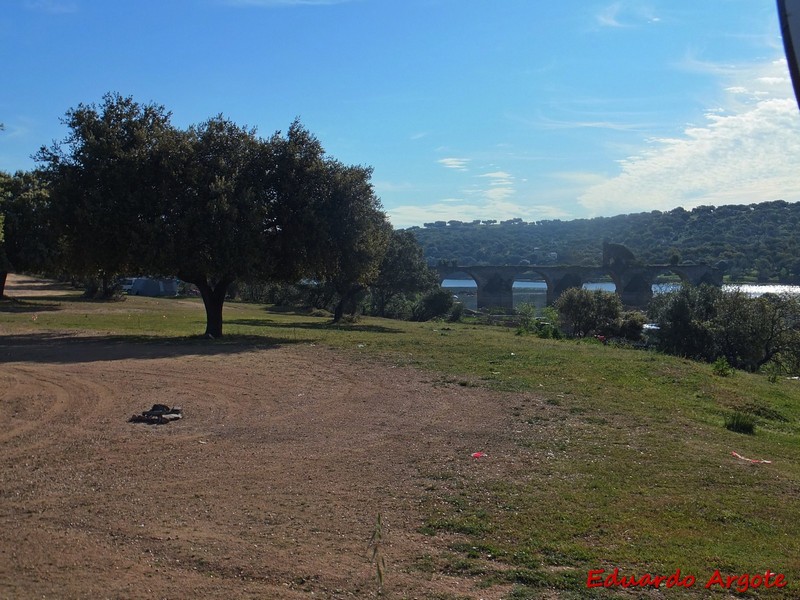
<point>738,583</point>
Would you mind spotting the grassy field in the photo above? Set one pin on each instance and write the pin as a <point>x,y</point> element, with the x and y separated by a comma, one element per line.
<point>634,464</point>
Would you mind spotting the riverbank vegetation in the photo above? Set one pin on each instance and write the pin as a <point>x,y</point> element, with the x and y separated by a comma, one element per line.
<point>703,323</point>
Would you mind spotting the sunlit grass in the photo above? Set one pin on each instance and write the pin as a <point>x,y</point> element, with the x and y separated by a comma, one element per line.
<point>632,460</point>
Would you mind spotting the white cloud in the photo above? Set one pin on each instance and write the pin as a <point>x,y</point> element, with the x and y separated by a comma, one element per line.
<point>750,156</point>
<point>746,150</point>
<point>498,201</point>
<point>408,215</point>
<point>626,14</point>
<point>460,164</point>
<point>609,16</point>
<point>550,212</point>
<point>498,177</point>
<point>501,187</point>
<point>548,123</point>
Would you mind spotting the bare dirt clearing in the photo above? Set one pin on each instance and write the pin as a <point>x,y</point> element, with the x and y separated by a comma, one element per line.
<point>270,486</point>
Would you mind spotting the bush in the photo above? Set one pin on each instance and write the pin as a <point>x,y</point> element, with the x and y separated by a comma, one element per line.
<point>741,423</point>
<point>684,320</point>
<point>584,312</point>
<point>97,288</point>
<point>435,303</point>
<point>631,326</point>
<point>527,317</point>
<point>400,307</point>
<point>546,330</point>
<point>707,323</point>
<point>545,327</point>
<point>722,367</point>
<point>456,312</point>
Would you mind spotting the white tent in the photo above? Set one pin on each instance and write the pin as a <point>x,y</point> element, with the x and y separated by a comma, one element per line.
<point>148,286</point>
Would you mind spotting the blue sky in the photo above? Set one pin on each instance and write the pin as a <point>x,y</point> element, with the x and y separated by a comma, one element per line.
<point>466,109</point>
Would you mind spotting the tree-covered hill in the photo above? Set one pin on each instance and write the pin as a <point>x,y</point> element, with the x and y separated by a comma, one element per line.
<point>760,241</point>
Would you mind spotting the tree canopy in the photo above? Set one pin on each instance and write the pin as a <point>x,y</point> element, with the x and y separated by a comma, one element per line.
<point>402,270</point>
<point>28,242</point>
<point>708,323</point>
<point>215,203</point>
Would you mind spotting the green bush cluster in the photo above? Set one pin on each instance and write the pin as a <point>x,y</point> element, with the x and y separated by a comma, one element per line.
<point>708,323</point>
<point>434,303</point>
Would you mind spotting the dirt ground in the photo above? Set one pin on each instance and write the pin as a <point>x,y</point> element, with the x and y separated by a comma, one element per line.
<point>268,488</point>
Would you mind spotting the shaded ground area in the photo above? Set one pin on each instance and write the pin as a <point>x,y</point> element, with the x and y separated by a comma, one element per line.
<point>269,487</point>
<point>22,285</point>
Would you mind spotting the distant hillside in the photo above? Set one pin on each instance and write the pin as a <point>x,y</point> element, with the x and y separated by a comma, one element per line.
<point>758,241</point>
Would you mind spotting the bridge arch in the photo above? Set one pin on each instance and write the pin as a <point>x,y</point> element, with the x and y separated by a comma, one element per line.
<point>457,273</point>
<point>633,283</point>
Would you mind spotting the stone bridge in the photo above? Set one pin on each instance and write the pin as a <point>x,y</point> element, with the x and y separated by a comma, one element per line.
<point>634,283</point>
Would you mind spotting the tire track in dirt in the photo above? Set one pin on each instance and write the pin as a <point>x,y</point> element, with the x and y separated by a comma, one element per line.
<point>271,483</point>
<point>39,405</point>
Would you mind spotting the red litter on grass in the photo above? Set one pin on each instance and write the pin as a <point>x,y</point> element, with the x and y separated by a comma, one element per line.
<point>755,461</point>
<point>477,455</point>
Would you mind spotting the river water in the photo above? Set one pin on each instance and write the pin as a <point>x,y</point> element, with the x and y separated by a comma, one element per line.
<point>535,292</point>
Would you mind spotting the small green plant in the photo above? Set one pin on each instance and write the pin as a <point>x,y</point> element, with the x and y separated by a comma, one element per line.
<point>376,548</point>
<point>741,422</point>
<point>456,313</point>
<point>527,317</point>
<point>722,367</point>
<point>543,327</point>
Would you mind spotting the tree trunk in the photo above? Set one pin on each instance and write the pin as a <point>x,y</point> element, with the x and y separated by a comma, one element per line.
<point>3,277</point>
<point>338,311</point>
<point>108,287</point>
<point>384,298</point>
<point>213,300</point>
<point>348,301</point>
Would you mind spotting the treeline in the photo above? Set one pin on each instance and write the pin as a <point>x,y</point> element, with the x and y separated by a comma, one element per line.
<point>704,322</point>
<point>756,241</point>
<point>128,193</point>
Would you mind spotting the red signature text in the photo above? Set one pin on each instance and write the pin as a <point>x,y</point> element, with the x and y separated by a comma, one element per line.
<point>614,579</point>
<point>739,583</point>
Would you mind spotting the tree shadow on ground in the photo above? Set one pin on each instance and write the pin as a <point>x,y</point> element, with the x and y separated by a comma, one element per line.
<point>30,284</point>
<point>320,326</point>
<point>12,305</point>
<point>251,322</point>
<point>62,348</point>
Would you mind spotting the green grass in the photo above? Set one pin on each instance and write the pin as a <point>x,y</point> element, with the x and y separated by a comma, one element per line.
<point>631,463</point>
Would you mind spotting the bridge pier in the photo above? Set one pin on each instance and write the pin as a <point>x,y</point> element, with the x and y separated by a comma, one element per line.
<point>495,290</point>
<point>634,285</point>
<point>560,280</point>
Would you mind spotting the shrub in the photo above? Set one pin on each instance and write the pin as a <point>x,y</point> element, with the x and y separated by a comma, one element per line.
<point>631,326</point>
<point>456,312</point>
<point>527,317</point>
<point>400,307</point>
<point>435,303</point>
<point>584,312</point>
<point>705,323</point>
<point>722,367</point>
<point>741,423</point>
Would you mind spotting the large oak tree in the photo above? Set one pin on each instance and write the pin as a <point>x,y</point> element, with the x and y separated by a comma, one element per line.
<point>212,204</point>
